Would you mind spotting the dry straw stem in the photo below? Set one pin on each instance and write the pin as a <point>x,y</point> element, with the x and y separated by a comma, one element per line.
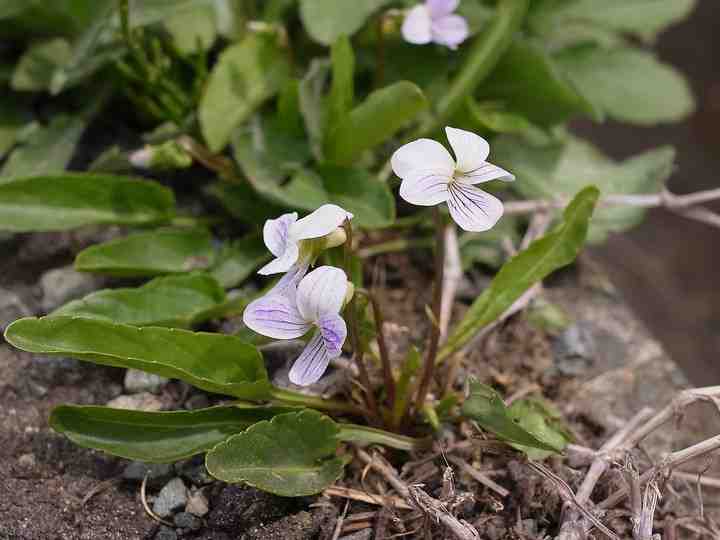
<point>478,476</point>
<point>369,498</point>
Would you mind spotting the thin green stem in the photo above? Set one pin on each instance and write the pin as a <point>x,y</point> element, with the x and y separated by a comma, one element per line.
<point>429,366</point>
<point>368,435</point>
<point>392,246</point>
<point>296,398</point>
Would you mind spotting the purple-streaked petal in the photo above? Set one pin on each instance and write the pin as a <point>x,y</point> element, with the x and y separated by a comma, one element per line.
<point>334,331</point>
<point>450,30</point>
<point>319,223</point>
<point>416,27</point>
<point>473,209</point>
<point>312,362</point>
<point>425,188</point>
<point>275,316</point>
<point>440,8</point>
<point>422,155</point>
<point>485,173</point>
<point>276,233</point>
<point>321,292</point>
<point>471,150</point>
<point>284,262</point>
<point>288,283</point>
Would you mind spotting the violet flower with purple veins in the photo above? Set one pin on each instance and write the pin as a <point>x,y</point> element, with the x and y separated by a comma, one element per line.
<point>287,235</point>
<point>316,302</point>
<point>435,22</point>
<point>431,176</point>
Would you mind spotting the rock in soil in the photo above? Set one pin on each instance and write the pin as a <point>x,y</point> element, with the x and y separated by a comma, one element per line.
<point>574,349</point>
<point>62,284</point>
<point>239,508</point>
<point>172,497</point>
<point>157,473</point>
<point>137,381</point>
<point>197,504</point>
<point>194,471</point>
<point>185,520</point>
<point>12,307</point>
<point>144,401</point>
<point>165,533</point>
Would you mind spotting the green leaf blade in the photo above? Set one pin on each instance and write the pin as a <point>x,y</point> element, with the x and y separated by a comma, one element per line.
<point>68,201</point>
<point>327,20</point>
<point>291,455</point>
<point>172,251</point>
<point>545,255</point>
<point>155,437</point>
<point>213,362</point>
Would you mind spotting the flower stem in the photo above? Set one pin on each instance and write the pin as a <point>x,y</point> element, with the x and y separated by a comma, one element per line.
<point>296,398</point>
<point>382,345</point>
<point>368,435</point>
<point>355,333</point>
<point>429,367</point>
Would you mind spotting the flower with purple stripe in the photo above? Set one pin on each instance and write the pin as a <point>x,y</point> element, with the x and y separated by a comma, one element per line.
<point>431,176</point>
<point>316,303</point>
<point>435,21</point>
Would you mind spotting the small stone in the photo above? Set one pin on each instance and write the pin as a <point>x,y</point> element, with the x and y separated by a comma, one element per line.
<point>365,534</point>
<point>172,496</point>
<point>197,401</point>
<point>12,307</point>
<point>137,381</point>
<point>27,461</point>
<point>194,471</point>
<point>165,533</point>
<point>55,371</point>
<point>574,349</point>
<point>62,284</point>
<point>197,504</point>
<point>157,473</point>
<point>186,520</point>
<point>144,401</point>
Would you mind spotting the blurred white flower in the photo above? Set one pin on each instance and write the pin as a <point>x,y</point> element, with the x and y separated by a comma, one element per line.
<point>431,176</point>
<point>434,21</point>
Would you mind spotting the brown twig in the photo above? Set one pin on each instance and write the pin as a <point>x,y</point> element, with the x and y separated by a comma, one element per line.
<point>340,521</point>
<point>478,476</point>
<point>429,365</point>
<point>369,498</point>
<point>388,377</point>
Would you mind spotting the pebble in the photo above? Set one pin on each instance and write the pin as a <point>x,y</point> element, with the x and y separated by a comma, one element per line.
<point>185,520</point>
<point>194,471</point>
<point>27,461</point>
<point>60,285</point>
<point>197,401</point>
<point>172,496</point>
<point>197,504</point>
<point>12,307</point>
<point>165,533</point>
<point>574,350</point>
<point>137,381</point>
<point>144,401</point>
<point>157,473</point>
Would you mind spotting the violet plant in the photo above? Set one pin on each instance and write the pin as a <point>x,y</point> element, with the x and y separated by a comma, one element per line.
<point>308,109</point>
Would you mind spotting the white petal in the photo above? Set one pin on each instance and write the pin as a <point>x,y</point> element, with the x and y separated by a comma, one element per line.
<point>485,173</point>
<point>473,209</point>
<point>334,331</point>
<point>275,316</point>
<point>422,155</point>
<point>321,292</point>
<point>416,26</point>
<point>425,188</point>
<point>311,364</point>
<point>284,262</point>
<point>322,221</point>
<point>471,150</point>
<point>440,8</point>
<point>288,283</point>
<point>276,233</point>
<point>450,30</point>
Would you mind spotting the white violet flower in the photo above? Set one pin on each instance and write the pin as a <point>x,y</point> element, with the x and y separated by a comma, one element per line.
<point>285,236</point>
<point>434,21</point>
<point>316,302</point>
<point>431,176</point>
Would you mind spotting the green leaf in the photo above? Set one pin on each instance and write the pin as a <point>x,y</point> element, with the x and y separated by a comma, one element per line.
<point>374,121</point>
<point>342,91</point>
<point>170,251</point>
<point>244,203</point>
<point>556,249</point>
<point>540,418</point>
<point>562,168</point>
<point>291,455</point>
<point>630,85</point>
<point>47,150</point>
<point>213,362</point>
<point>35,67</point>
<point>237,261</point>
<point>312,102</point>
<point>527,81</point>
<point>13,118</point>
<point>67,201</point>
<point>646,18</point>
<point>327,20</point>
<point>194,29</point>
<point>246,74</point>
<point>486,407</point>
<point>178,301</point>
<point>155,437</point>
